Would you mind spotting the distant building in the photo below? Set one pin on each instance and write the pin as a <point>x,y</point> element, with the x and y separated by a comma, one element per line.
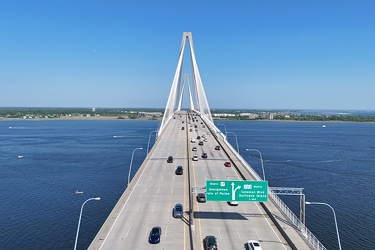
<point>150,114</point>
<point>249,115</point>
<point>223,115</point>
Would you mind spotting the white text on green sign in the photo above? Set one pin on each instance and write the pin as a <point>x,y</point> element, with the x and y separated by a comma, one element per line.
<point>227,190</point>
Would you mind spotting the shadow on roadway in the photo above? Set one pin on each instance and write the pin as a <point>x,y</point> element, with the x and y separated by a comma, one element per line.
<point>219,215</point>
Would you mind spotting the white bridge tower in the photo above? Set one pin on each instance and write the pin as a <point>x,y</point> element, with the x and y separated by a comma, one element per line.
<point>197,96</point>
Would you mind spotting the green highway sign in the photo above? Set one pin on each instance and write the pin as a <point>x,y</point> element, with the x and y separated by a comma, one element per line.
<point>220,190</point>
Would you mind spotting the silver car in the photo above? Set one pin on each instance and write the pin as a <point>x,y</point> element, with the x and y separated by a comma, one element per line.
<point>178,210</point>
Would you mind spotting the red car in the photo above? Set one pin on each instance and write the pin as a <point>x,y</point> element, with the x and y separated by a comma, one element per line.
<point>227,164</point>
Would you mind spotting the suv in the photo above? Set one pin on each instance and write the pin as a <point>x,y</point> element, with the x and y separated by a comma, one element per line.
<point>179,170</point>
<point>204,155</point>
<point>170,159</point>
<point>210,243</point>
<point>253,245</point>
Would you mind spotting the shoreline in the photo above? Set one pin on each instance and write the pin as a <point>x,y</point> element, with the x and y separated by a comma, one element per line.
<point>108,118</point>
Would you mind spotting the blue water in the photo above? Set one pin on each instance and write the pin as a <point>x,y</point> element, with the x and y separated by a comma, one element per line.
<point>39,208</point>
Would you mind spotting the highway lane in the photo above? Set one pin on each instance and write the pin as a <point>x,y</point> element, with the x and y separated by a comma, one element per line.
<point>155,190</point>
<point>233,226</point>
<point>151,202</point>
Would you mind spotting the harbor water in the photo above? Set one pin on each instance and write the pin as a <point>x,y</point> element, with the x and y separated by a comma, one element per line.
<point>44,163</point>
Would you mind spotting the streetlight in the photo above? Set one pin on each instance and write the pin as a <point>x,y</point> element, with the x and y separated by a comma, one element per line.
<point>261,160</point>
<point>131,163</point>
<point>225,128</point>
<point>334,215</point>
<point>80,216</point>
<point>238,149</point>
<point>149,136</point>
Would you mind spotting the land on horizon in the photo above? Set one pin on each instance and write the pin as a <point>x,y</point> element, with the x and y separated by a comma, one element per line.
<point>13,113</point>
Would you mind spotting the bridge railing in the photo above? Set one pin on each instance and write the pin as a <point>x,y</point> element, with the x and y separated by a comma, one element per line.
<point>310,238</point>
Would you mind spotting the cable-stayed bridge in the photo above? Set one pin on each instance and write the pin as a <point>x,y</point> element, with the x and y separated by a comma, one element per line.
<point>196,144</point>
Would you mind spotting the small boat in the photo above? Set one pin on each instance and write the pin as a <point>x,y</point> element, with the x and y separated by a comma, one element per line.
<point>20,156</point>
<point>79,192</point>
<point>324,126</point>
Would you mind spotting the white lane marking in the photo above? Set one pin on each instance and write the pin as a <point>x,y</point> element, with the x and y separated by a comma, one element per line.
<point>239,236</point>
<point>128,232</point>
<point>257,234</point>
<point>172,190</point>
<point>150,178</point>
<point>219,232</point>
<point>158,190</point>
<point>271,227</point>
<point>146,232</point>
<point>145,190</point>
<point>162,177</point>
<point>138,208</point>
<point>166,230</point>
<point>244,209</point>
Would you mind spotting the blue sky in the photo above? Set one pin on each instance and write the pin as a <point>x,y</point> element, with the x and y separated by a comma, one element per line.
<point>251,54</point>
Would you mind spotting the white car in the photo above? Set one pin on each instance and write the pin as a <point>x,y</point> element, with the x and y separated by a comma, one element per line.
<point>195,157</point>
<point>192,140</point>
<point>253,245</point>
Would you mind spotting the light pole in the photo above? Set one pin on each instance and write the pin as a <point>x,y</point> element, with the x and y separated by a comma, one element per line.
<point>225,128</point>
<point>238,149</point>
<point>148,145</point>
<point>80,216</point>
<point>334,215</point>
<point>131,163</point>
<point>261,160</point>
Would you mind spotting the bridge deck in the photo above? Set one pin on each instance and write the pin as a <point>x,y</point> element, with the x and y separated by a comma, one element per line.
<point>155,189</point>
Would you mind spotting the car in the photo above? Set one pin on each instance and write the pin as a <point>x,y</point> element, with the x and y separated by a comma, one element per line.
<point>232,203</point>
<point>195,157</point>
<point>217,148</point>
<point>178,210</point>
<point>194,149</point>
<point>192,140</point>
<point>198,137</point>
<point>179,170</point>
<point>210,243</point>
<point>155,235</point>
<point>182,128</point>
<point>204,155</point>
<point>191,130</point>
<point>201,197</point>
<point>253,245</point>
<point>170,159</point>
<point>227,164</point>
<point>200,143</point>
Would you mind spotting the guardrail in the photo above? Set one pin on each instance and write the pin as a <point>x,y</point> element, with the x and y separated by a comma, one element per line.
<point>303,231</point>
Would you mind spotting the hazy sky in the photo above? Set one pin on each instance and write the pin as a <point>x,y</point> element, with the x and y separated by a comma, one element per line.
<point>254,54</point>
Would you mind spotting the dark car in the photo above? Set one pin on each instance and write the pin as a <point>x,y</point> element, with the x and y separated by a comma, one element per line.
<point>178,210</point>
<point>170,159</point>
<point>155,235</point>
<point>210,243</point>
<point>204,155</point>
<point>201,197</point>
<point>217,148</point>
<point>200,143</point>
<point>179,170</point>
